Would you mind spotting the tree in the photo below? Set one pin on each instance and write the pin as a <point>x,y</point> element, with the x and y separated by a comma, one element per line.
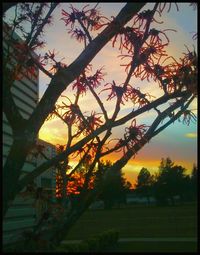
<point>90,134</point>
<point>170,181</point>
<point>144,183</point>
<point>114,187</point>
<point>194,181</point>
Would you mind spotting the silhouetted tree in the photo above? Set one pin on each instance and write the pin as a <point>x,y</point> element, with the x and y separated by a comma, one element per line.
<point>170,181</point>
<point>194,181</point>
<point>114,187</point>
<point>144,183</point>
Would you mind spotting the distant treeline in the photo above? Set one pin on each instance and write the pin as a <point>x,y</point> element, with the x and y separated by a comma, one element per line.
<point>169,183</point>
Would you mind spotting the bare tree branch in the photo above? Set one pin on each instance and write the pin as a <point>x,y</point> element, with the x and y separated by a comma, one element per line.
<point>52,8</point>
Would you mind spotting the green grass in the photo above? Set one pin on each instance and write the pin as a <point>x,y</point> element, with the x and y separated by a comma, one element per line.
<point>178,221</point>
<point>153,247</point>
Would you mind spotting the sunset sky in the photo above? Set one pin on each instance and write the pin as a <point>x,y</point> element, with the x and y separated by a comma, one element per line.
<point>179,142</point>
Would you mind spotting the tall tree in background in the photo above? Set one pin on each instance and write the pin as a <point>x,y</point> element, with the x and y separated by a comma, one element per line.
<point>90,134</point>
<point>144,183</point>
<point>114,187</point>
<point>194,181</point>
<point>170,181</point>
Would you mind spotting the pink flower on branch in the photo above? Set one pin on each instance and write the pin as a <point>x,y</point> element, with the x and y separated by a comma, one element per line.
<point>90,123</point>
<point>116,91</point>
<point>137,97</point>
<point>135,133</point>
<point>94,80</point>
<point>78,34</point>
<point>147,55</point>
<point>141,19</point>
<point>155,36</point>
<point>90,19</point>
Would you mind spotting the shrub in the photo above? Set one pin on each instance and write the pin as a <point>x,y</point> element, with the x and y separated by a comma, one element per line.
<point>94,244</point>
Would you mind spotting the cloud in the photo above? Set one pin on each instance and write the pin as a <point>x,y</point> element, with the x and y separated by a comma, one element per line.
<point>54,131</point>
<point>191,135</point>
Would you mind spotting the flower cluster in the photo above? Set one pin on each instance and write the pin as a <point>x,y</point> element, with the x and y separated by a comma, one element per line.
<point>94,121</point>
<point>72,114</point>
<point>116,91</point>
<point>90,19</point>
<point>145,48</point>
<point>81,83</point>
<point>146,57</point>
<point>141,19</point>
<point>76,182</point>
<point>49,58</point>
<point>155,36</point>
<point>138,97</point>
<point>181,75</point>
<point>91,123</point>
<point>133,135</point>
<point>95,80</point>
<point>78,34</point>
<point>130,38</point>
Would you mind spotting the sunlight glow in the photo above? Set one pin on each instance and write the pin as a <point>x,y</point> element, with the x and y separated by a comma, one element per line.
<point>191,135</point>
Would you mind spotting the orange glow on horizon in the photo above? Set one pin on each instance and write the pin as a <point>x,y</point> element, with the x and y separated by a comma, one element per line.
<point>74,185</point>
<point>131,170</point>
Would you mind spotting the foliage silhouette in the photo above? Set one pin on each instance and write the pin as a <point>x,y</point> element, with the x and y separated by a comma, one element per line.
<point>169,182</point>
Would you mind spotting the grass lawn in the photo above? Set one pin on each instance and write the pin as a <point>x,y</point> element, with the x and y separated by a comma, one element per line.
<point>153,247</point>
<point>141,221</point>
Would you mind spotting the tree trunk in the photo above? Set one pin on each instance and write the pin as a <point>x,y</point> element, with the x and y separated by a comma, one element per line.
<point>12,170</point>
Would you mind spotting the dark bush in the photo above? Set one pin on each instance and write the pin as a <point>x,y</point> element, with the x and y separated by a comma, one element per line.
<point>95,244</point>
<point>83,246</point>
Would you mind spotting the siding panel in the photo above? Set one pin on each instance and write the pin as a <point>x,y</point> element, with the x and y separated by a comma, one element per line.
<point>24,98</point>
<point>18,224</point>
<point>20,212</point>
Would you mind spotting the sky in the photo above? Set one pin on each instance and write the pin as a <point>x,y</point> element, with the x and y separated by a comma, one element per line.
<point>179,142</point>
